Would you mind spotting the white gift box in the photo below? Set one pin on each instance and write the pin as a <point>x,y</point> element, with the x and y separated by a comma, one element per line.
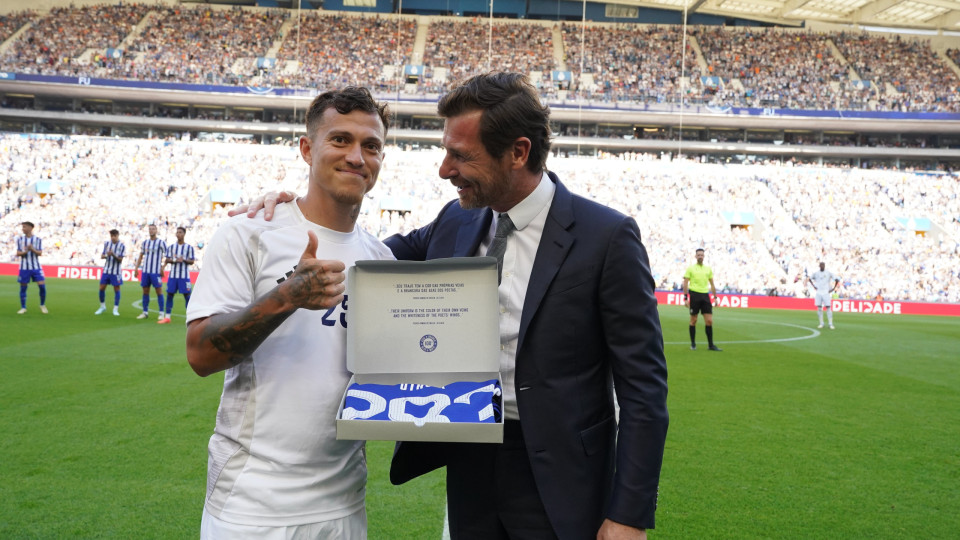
<point>422,322</point>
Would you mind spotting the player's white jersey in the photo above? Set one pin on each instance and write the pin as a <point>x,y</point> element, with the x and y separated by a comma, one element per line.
<point>274,458</point>
<point>823,281</point>
<point>153,253</point>
<point>30,261</point>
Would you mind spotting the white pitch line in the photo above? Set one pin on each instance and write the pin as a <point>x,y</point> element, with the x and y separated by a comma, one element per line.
<point>813,333</point>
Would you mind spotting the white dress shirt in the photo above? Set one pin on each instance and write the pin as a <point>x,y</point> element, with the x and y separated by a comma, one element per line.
<point>529,216</point>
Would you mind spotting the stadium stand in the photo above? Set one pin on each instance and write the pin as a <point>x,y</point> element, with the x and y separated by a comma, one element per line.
<point>893,233</point>
<point>761,67</point>
<point>632,63</point>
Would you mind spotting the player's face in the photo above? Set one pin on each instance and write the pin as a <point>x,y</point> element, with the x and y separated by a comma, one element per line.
<point>699,257</point>
<point>822,267</point>
<point>345,154</point>
<point>481,180</point>
<point>114,238</point>
<point>180,235</point>
<point>27,229</point>
<point>152,229</point>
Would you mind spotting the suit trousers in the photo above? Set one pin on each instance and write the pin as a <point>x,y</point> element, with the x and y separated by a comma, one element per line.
<point>492,494</point>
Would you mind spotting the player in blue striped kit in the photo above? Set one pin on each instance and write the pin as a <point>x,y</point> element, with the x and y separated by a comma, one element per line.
<point>29,249</point>
<point>113,253</point>
<point>152,254</point>
<point>179,256</point>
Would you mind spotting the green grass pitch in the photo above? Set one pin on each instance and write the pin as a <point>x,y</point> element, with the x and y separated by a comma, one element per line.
<point>787,433</point>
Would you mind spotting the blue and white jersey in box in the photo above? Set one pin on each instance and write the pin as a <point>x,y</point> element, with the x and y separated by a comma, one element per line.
<point>461,401</point>
<point>111,265</point>
<point>154,252</point>
<point>823,281</point>
<point>274,458</point>
<point>30,261</point>
<point>180,270</point>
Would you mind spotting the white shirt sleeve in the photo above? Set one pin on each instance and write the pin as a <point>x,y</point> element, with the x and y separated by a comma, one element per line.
<point>226,282</point>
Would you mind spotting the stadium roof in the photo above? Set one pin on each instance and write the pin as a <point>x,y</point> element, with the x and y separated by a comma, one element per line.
<point>906,14</point>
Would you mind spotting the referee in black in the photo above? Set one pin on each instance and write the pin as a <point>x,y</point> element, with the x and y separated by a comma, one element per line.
<point>698,300</point>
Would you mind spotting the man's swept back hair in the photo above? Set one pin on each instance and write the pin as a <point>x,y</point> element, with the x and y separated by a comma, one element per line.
<point>511,109</point>
<point>345,101</point>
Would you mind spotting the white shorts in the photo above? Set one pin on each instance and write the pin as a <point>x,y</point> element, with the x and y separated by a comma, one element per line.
<point>352,527</point>
<point>822,300</point>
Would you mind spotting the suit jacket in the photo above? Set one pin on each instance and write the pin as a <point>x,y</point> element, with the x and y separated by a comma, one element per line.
<point>589,316</point>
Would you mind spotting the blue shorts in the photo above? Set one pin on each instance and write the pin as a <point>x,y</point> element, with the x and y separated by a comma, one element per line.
<point>26,276</point>
<point>151,280</point>
<point>111,279</point>
<point>178,285</point>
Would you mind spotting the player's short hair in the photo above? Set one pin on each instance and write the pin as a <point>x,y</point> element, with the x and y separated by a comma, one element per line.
<point>511,109</point>
<point>30,223</point>
<point>698,250</point>
<point>345,101</point>
<point>184,229</point>
<point>114,232</point>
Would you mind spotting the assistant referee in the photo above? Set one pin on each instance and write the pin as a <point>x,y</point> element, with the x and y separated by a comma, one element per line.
<point>698,299</point>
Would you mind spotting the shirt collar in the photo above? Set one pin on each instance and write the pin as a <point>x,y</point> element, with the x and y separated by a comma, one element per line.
<point>527,209</point>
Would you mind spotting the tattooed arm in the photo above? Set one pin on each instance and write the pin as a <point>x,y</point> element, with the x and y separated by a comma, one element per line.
<point>221,341</point>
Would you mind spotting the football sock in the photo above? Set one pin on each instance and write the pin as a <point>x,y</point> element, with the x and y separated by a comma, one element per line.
<point>23,296</point>
<point>693,335</point>
<point>102,297</point>
<point>186,299</point>
<point>146,303</point>
<point>160,301</point>
<point>830,316</point>
<point>820,314</point>
<point>170,297</point>
<point>43,294</point>
<point>116,298</point>
<point>709,330</point>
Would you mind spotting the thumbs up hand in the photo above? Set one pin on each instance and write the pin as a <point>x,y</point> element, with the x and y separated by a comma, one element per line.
<point>315,284</point>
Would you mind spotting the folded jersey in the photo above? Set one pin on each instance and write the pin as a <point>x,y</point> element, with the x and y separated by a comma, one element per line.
<point>464,401</point>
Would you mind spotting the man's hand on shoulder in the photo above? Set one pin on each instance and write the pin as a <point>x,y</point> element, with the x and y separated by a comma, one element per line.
<point>315,284</point>
<point>611,530</point>
<point>268,202</point>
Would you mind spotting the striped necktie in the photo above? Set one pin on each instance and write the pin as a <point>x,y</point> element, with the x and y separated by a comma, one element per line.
<point>499,245</point>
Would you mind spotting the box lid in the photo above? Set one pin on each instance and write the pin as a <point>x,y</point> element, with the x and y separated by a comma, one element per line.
<point>423,316</point>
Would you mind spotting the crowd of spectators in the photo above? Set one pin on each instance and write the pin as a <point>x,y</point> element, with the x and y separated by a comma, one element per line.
<point>471,46</point>
<point>629,62</point>
<point>921,80</point>
<point>56,42</point>
<point>200,45</point>
<point>332,51</point>
<point>10,23</point>
<point>757,67</point>
<point>852,219</point>
<point>775,68</point>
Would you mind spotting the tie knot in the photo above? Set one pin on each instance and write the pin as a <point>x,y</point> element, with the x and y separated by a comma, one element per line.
<point>504,226</point>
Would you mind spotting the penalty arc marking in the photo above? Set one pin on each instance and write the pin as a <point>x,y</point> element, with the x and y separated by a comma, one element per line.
<point>813,332</point>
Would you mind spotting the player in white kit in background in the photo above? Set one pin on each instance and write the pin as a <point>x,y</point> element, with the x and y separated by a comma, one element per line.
<point>269,308</point>
<point>824,282</point>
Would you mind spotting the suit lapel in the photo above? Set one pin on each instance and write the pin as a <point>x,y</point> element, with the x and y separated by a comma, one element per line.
<point>472,232</point>
<point>555,243</point>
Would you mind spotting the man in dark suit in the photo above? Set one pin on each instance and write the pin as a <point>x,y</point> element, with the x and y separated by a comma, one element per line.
<point>577,310</point>
<point>578,318</point>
